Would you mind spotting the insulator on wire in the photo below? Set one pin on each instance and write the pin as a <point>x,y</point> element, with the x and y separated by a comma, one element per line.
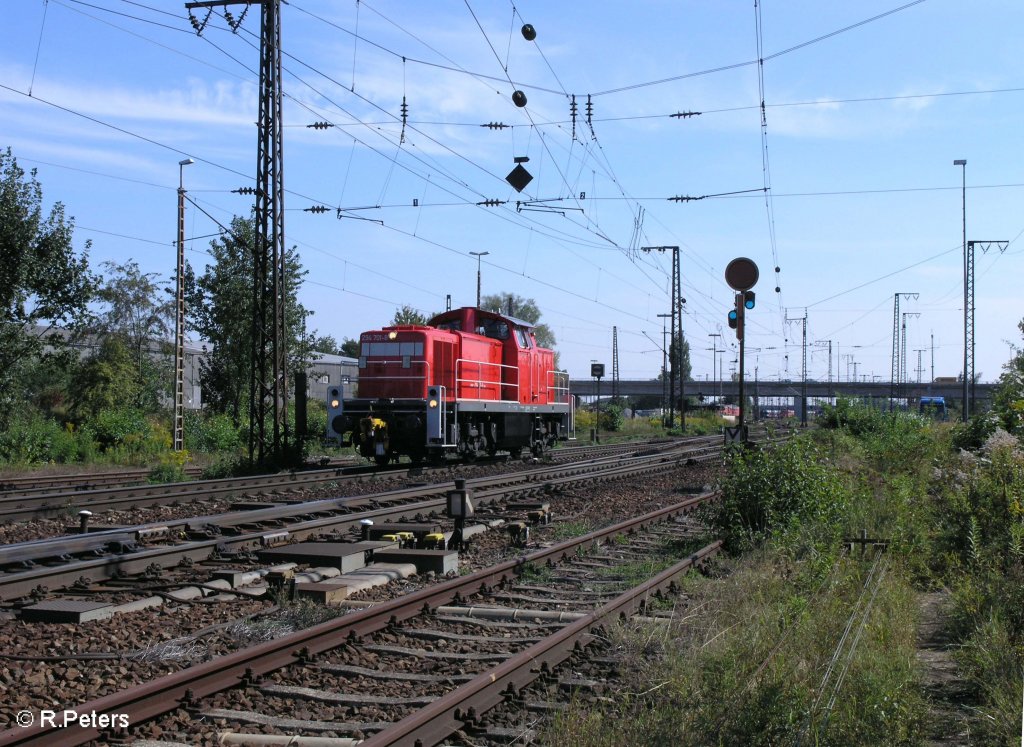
<point>245,191</point>
<point>495,125</point>
<point>572,113</point>
<point>405,119</point>
<point>320,125</point>
<point>491,203</point>
<point>198,25</point>
<point>241,18</point>
<point>316,209</point>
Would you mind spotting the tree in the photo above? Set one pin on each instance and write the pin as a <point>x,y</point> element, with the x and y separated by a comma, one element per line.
<point>220,305</point>
<point>1008,398</point>
<point>135,312</point>
<point>408,315</point>
<point>43,283</point>
<point>521,308</point>
<point>106,380</point>
<point>325,344</point>
<point>350,348</point>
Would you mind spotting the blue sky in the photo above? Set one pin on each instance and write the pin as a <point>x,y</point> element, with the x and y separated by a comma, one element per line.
<point>867,105</point>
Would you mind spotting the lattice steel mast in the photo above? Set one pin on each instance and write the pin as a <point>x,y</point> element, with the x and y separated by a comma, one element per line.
<point>268,391</point>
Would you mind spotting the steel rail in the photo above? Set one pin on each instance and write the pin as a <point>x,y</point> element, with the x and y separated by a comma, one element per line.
<point>462,707</point>
<point>23,583</point>
<point>22,485</point>
<point>55,504</point>
<point>185,687</point>
<point>16,506</point>
<point>36,550</point>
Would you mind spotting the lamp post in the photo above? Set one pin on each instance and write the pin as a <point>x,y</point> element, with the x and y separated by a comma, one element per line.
<point>479,258</point>
<point>664,369</point>
<point>714,352</point>
<point>179,316</point>
<point>962,163</point>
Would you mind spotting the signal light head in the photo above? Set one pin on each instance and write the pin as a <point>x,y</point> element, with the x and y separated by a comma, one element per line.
<point>733,318</point>
<point>748,299</point>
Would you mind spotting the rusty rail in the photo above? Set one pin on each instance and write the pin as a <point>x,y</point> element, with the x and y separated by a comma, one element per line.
<point>167,693</point>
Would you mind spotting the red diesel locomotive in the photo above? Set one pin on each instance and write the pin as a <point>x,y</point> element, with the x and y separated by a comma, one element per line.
<point>470,382</point>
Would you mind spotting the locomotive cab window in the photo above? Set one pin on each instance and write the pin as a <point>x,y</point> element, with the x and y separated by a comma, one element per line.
<point>392,349</point>
<point>495,329</point>
<point>522,338</point>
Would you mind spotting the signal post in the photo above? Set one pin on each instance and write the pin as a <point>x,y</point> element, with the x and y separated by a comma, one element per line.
<point>741,274</point>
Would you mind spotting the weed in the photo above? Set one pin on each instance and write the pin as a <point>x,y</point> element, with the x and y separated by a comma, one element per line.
<point>568,529</point>
<point>535,573</point>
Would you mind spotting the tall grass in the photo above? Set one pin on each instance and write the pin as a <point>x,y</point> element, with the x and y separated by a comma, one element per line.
<point>748,665</point>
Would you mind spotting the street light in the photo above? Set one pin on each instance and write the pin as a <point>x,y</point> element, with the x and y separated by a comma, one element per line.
<point>664,368</point>
<point>714,343</point>
<point>179,316</point>
<point>962,163</point>
<point>479,258</point>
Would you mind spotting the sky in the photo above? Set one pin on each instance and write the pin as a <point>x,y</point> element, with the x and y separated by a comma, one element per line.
<point>843,180</point>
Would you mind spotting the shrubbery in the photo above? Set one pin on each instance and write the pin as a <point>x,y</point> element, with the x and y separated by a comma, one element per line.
<point>211,433</point>
<point>34,439</point>
<point>771,493</point>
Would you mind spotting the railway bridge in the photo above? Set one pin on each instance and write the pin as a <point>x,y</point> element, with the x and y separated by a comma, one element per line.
<point>815,390</point>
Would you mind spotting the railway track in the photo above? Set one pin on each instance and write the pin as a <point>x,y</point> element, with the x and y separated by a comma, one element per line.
<point>41,567</point>
<point>27,504</point>
<point>420,668</point>
<point>20,485</point>
<point>566,491</point>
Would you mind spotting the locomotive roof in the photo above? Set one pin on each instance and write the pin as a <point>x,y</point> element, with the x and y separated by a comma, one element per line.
<point>461,313</point>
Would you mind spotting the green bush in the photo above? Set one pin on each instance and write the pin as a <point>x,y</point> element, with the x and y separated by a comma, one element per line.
<point>171,468</point>
<point>975,432</point>
<point>316,420</point>
<point>853,416</point>
<point>122,428</point>
<point>769,493</point>
<point>210,433</point>
<point>611,418</point>
<point>33,438</point>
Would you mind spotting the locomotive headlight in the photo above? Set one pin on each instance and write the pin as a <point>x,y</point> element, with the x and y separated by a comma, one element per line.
<point>392,335</point>
<point>432,404</point>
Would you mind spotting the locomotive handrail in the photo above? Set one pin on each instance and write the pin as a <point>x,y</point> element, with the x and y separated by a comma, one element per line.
<point>366,376</point>
<point>558,393</point>
<point>479,382</point>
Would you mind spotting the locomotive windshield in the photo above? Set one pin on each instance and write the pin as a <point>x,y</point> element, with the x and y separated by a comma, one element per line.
<point>392,349</point>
